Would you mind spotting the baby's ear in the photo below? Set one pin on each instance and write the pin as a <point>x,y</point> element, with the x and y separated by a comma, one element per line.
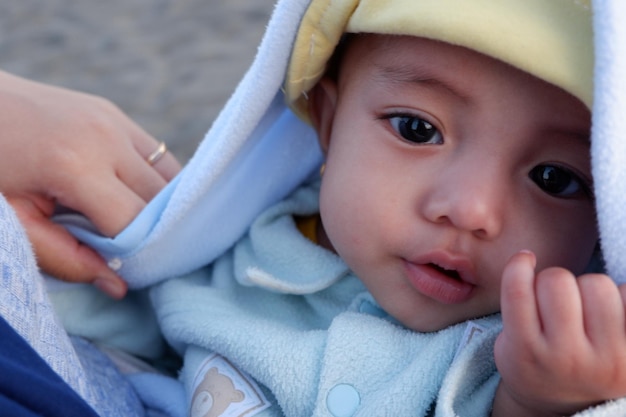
<point>322,106</point>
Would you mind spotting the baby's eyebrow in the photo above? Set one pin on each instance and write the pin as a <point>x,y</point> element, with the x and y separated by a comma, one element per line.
<point>578,132</point>
<point>578,135</point>
<point>404,74</point>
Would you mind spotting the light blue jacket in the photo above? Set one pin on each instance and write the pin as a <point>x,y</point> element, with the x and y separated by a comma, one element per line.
<point>289,316</point>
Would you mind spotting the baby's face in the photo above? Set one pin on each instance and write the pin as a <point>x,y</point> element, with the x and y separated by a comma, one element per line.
<point>441,164</point>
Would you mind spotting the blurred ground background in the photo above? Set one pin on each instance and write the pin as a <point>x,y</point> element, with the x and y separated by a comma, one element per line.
<point>169,64</point>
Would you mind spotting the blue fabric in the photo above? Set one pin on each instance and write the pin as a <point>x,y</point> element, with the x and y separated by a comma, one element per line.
<point>24,305</point>
<point>26,308</point>
<point>29,387</point>
<point>162,396</point>
<point>255,154</point>
<point>291,315</point>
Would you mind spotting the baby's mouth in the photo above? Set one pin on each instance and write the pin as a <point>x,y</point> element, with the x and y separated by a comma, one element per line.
<point>448,286</point>
<point>452,273</point>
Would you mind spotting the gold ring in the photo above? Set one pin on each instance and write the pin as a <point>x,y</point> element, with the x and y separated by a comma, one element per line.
<point>158,153</point>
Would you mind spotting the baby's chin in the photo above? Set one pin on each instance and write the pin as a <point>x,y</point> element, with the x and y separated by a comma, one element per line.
<point>431,325</point>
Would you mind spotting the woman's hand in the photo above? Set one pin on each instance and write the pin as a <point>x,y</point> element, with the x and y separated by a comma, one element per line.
<point>80,151</point>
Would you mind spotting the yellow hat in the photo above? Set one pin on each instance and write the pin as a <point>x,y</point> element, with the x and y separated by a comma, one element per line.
<point>550,39</point>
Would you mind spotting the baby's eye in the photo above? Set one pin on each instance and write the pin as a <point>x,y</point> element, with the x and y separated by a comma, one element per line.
<point>416,130</point>
<point>559,182</point>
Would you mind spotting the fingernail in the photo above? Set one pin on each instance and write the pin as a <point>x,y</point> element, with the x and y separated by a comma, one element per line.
<point>113,287</point>
<point>531,254</point>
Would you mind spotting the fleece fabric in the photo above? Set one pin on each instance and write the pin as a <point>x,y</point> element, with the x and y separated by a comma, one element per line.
<point>254,156</point>
<point>291,316</point>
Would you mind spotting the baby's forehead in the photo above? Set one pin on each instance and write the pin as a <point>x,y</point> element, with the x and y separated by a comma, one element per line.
<point>411,60</point>
<point>549,39</point>
<point>394,51</point>
<point>442,80</point>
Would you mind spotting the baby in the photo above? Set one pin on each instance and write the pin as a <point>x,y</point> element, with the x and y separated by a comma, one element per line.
<point>457,184</point>
<point>435,178</point>
<point>454,180</point>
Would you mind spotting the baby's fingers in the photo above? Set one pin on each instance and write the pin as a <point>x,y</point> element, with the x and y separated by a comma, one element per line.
<point>560,307</point>
<point>518,304</point>
<point>603,307</point>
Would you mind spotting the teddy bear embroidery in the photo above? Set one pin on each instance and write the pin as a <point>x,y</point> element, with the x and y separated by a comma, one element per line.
<point>214,395</point>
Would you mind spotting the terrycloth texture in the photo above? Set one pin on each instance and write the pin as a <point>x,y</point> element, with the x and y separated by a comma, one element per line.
<point>610,409</point>
<point>551,39</point>
<point>301,325</point>
<point>608,145</point>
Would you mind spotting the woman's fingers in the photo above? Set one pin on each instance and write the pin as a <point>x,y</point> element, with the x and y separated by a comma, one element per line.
<point>59,254</point>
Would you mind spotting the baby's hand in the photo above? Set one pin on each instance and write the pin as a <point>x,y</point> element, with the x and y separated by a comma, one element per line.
<point>563,346</point>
